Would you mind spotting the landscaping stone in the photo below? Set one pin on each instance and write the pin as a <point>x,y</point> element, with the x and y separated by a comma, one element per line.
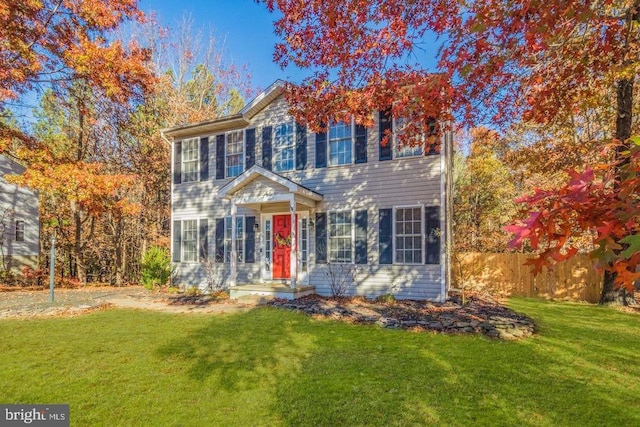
<point>480,315</point>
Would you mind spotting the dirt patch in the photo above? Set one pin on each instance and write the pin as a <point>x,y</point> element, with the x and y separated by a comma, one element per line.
<point>35,303</point>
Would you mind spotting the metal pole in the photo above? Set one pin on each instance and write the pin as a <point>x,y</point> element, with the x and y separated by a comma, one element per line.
<point>52,265</point>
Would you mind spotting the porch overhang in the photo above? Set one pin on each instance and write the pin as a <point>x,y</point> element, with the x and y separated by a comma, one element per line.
<point>258,186</point>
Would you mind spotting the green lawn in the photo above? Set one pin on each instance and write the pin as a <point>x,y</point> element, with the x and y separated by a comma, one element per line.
<point>273,367</point>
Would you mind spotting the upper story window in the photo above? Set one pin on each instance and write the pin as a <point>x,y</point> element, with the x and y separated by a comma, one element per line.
<point>340,137</point>
<point>19,231</point>
<point>407,146</point>
<point>234,153</point>
<point>190,160</point>
<point>284,148</point>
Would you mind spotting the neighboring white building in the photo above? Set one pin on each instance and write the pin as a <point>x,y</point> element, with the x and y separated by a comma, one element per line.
<point>19,221</point>
<point>359,208</point>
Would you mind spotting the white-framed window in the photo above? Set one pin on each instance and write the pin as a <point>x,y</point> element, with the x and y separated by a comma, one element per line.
<point>267,244</point>
<point>234,153</point>
<point>190,240</point>
<point>340,143</point>
<point>304,244</point>
<point>410,147</point>
<point>19,231</point>
<point>284,147</point>
<point>340,237</point>
<point>239,238</point>
<point>190,159</point>
<point>408,235</point>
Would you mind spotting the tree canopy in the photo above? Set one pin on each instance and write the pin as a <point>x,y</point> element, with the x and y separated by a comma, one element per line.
<point>499,61</point>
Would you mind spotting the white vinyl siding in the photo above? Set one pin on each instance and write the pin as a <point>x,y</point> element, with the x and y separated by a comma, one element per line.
<point>340,143</point>
<point>409,147</point>
<point>408,235</point>
<point>190,159</point>
<point>239,238</point>
<point>284,148</point>
<point>340,237</point>
<point>234,153</point>
<point>190,240</point>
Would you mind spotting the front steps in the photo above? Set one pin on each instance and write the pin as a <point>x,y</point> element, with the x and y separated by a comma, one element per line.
<point>270,291</point>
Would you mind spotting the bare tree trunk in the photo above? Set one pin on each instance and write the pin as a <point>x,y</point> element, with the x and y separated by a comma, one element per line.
<point>624,118</point>
<point>78,250</point>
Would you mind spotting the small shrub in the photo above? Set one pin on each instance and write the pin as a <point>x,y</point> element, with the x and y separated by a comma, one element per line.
<point>386,299</point>
<point>33,277</point>
<point>341,277</point>
<point>7,277</point>
<point>155,267</point>
<point>193,291</point>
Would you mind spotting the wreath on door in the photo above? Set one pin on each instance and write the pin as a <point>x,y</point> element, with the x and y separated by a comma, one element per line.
<point>283,241</point>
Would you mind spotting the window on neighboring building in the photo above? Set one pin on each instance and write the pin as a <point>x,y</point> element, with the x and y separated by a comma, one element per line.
<point>190,240</point>
<point>408,235</point>
<point>340,137</point>
<point>406,147</point>
<point>235,153</point>
<point>19,231</point>
<point>340,237</point>
<point>190,160</point>
<point>284,148</point>
<point>239,238</point>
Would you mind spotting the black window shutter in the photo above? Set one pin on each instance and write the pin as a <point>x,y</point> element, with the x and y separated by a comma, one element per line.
<point>250,157</point>
<point>219,239</point>
<point>266,147</point>
<point>204,159</point>
<point>177,241</point>
<point>361,144</point>
<point>432,132</point>
<point>220,157</point>
<point>204,239</point>
<point>250,240</point>
<point>432,234</point>
<point>321,238</point>
<point>321,150</point>
<point>301,146</point>
<point>385,235</point>
<point>361,236</point>
<point>386,123</point>
<point>177,162</point>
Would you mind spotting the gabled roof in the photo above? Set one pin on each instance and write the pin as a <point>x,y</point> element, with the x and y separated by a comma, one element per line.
<point>238,120</point>
<point>254,172</point>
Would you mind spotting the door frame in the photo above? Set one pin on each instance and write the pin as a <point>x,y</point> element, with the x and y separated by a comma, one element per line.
<point>266,270</point>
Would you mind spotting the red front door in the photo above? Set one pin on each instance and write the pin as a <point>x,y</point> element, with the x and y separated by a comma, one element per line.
<point>281,246</point>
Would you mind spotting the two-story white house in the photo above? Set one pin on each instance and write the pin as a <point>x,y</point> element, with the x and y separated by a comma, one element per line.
<point>280,209</point>
<point>19,221</point>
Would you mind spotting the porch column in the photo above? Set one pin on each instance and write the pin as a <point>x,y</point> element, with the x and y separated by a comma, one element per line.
<point>234,250</point>
<point>294,242</point>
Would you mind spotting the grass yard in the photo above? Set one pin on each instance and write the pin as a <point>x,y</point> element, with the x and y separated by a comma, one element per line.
<point>274,367</point>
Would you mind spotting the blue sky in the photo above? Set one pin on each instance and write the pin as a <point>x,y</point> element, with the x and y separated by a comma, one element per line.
<point>246,26</point>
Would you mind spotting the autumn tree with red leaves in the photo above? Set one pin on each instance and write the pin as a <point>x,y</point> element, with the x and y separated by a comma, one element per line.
<point>498,60</point>
<point>65,52</point>
<point>59,41</point>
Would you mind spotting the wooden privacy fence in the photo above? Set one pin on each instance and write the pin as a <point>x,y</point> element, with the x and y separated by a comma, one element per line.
<point>505,274</point>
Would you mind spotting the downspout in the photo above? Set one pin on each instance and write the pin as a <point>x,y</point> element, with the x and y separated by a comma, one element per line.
<point>445,247</point>
<point>170,143</point>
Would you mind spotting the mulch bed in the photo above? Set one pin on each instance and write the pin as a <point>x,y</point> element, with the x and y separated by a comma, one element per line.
<point>480,314</point>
